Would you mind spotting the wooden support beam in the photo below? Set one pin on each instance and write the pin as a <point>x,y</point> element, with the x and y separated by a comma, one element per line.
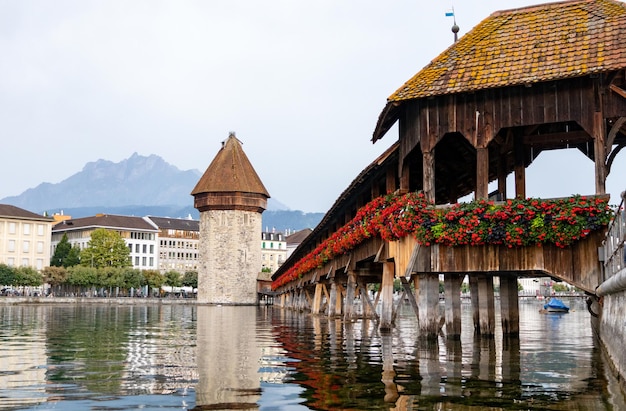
<point>396,307</point>
<point>473,281</point>
<point>502,176</point>
<point>410,267</point>
<point>428,170</point>
<point>452,287</point>
<point>482,173</point>
<point>386,288</point>
<point>486,309</point>
<point>341,293</point>
<point>369,310</point>
<point>509,304</point>
<point>349,309</point>
<point>317,299</point>
<point>332,302</point>
<point>428,306</point>
<point>519,167</point>
<point>599,150</point>
<point>390,181</point>
<point>308,301</point>
<point>411,296</point>
<point>404,177</point>
<point>618,90</point>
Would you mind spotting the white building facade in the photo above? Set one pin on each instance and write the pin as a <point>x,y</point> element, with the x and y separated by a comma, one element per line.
<point>140,235</point>
<point>273,251</point>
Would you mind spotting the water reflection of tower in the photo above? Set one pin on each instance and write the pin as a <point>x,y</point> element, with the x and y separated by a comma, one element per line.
<point>228,355</point>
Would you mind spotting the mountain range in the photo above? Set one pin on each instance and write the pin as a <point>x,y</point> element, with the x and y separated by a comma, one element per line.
<point>139,185</point>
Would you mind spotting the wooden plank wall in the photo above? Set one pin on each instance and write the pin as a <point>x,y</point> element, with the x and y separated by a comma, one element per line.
<point>424,122</point>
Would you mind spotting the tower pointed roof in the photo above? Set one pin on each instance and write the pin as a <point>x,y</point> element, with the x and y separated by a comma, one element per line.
<point>230,181</point>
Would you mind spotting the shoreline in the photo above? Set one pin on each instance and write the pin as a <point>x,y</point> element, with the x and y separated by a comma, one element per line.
<point>96,300</point>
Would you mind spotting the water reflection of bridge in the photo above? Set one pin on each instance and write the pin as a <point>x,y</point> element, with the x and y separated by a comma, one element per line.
<point>349,365</point>
<point>457,134</point>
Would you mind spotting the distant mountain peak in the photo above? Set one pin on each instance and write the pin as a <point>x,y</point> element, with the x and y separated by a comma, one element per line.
<point>136,181</point>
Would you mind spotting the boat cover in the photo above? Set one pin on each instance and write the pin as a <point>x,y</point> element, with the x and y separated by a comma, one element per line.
<point>557,304</point>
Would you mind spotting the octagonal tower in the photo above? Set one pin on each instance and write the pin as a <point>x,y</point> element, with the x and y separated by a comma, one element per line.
<point>231,198</point>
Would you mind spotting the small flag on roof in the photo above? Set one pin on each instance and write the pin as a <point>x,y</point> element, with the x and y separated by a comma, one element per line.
<point>450,13</point>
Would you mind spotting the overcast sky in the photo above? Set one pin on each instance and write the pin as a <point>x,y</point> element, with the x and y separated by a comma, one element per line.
<point>301,82</point>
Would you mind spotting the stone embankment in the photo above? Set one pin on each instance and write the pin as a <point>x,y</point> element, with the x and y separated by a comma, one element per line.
<point>95,300</point>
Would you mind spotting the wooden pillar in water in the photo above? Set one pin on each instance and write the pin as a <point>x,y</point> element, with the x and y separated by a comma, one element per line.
<point>486,309</point>
<point>349,311</point>
<point>509,304</point>
<point>428,304</point>
<point>473,282</point>
<point>317,298</point>
<point>332,303</point>
<point>452,286</point>
<point>386,288</point>
<point>339,300</point>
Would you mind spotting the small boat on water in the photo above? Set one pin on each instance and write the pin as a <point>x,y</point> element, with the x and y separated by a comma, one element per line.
<point>555,306</point>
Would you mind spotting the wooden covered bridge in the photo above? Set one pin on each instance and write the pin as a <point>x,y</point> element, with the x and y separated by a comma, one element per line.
<point>523,81</point>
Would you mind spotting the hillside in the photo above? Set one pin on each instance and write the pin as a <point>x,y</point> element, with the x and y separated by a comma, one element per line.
<point>139,185</point>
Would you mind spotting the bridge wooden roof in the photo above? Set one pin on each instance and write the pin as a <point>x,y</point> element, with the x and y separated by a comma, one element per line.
<point>522,46</point>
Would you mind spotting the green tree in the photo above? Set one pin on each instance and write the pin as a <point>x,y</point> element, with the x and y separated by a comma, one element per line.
<point>73,257</point>
<point>190,279</point>
<point>55,276</point>
<point>153,279</point>
<point>79,276</point>
<point>173,279</point>
<point>106,248</point>
<point>7,275</point>
<point>61,252</point>
<point>133,278</point>
<point>28,277</point>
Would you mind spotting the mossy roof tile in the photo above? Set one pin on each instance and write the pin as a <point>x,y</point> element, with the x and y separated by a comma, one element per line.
<point>527,45</point>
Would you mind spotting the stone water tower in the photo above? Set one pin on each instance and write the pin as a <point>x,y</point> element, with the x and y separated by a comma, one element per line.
<point>231,198</point>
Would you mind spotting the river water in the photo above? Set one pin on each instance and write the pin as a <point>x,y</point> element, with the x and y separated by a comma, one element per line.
<point>187,357</point>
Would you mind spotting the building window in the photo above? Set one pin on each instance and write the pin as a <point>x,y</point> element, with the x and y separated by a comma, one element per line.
<point>151,261</point>
<point>26,228</point>
<point>39,247</point>
<point>39,264</point>
<point>136,248</point>
<point>151,249</point>
<point>10,261</point>
<point>143,261</point>
<point>11,228</point>
<point>40,229</point>
<point>136,261</point>
<point>25,262</point>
